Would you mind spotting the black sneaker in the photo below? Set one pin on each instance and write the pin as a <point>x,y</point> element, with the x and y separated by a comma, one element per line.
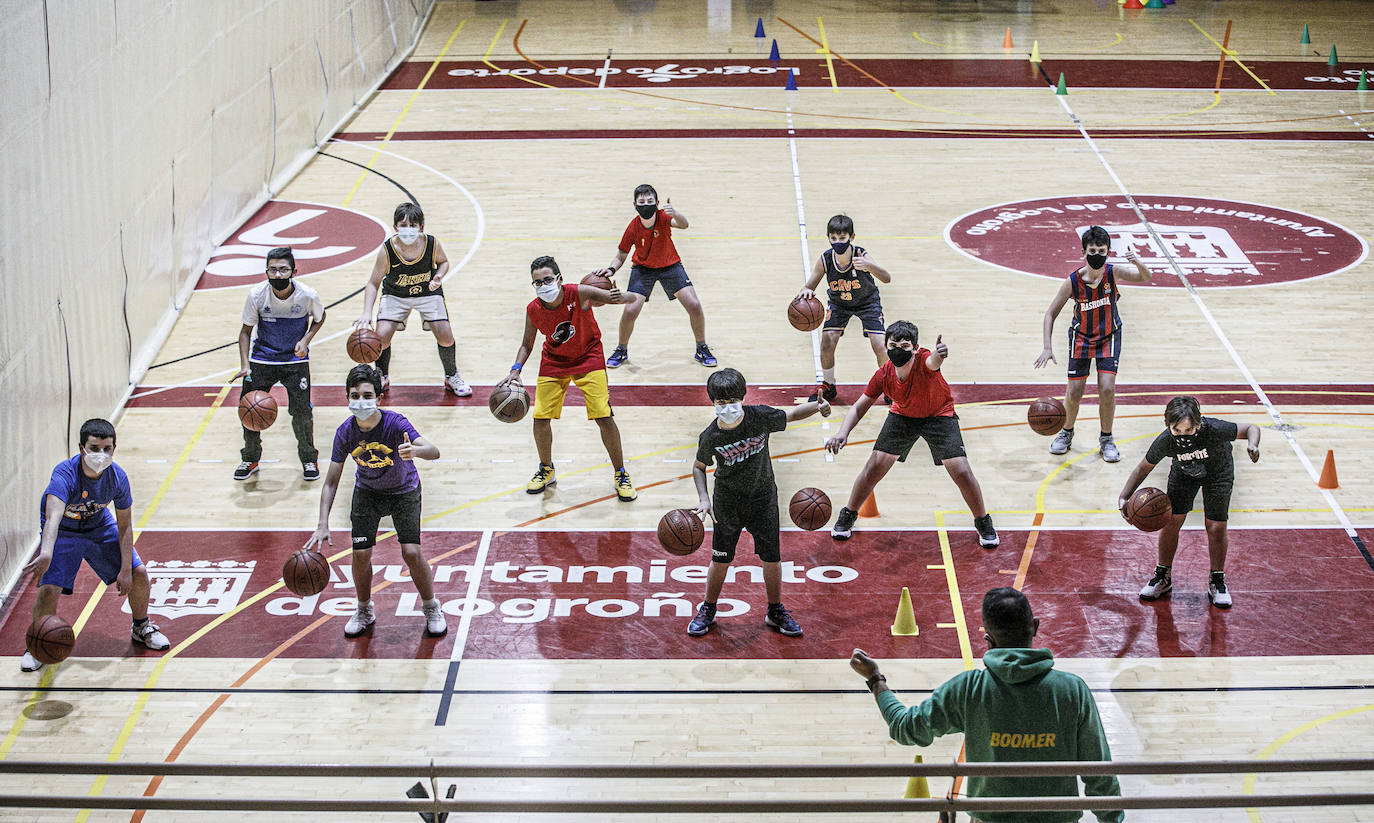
<point>987,534</point>
<point>704,620</point>
<point>844,523</point>
<point>827,391</point>
<point>310,471</point>
<point>779,618</point>
<point>246,470</point>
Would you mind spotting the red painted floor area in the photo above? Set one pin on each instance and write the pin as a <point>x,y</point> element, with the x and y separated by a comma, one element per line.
<point>567,595</point>
<point>897,132</point>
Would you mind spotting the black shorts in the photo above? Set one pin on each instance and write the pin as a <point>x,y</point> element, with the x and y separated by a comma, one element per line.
<point>759,516</point>
<point>900,433</point>
<point>1108,362</point>
<point>643,278</point>
<point>1216,495</point>
<point>369,507</point>
<point>870,314</point>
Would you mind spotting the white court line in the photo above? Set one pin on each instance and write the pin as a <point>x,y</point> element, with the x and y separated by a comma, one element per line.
<point>605,70</point>
<point>460,638</point>
<point>1279,426</point>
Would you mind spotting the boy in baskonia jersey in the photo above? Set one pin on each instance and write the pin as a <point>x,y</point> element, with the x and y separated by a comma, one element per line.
<point>848,272</point>
<point>1094,334</point>
<point>280,318</point>
<point>572,354</point>
<point>746,494</point>
<point>1201,451</point>
<point>410,271</point>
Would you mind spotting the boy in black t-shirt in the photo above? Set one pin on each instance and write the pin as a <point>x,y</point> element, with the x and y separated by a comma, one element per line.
<point>746,493</point>
<point>1201,449</point>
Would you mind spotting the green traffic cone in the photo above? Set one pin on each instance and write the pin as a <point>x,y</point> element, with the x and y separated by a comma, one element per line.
<point>1061,89</point>
<point>1364,82</point>
<point>1306,38</point>
<point>1331,61</point>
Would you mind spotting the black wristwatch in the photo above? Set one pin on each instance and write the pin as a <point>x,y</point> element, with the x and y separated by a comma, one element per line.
<point>873,681</point>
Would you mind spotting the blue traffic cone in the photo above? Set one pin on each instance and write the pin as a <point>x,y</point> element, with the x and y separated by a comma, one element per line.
<point>773,55</point>
<point>791,81</point>
<point>758,29</point>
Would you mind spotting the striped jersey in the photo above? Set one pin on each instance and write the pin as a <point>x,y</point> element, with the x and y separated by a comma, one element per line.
<point>1095,317</point>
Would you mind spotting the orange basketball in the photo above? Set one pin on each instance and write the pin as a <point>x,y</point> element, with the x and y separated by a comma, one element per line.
<point>306,572</point>
<point>680,531</point>
<point>598,280</point>
<point>805,313</point>
<point>257,410</point>
<point>50,639</point>
<point>809,509</point>
<point>509,402</point>
<point>364,345</point>
<point>1045,415</point>
<point>1149,509</point>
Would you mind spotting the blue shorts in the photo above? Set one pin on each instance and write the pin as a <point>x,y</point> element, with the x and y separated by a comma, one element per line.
<point>643,278</point>
<point>99,547</point>
<point>870,314</point>
<point>1108,362</point>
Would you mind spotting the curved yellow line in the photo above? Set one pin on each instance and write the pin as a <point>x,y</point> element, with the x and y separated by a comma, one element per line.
<point>1248,786</point>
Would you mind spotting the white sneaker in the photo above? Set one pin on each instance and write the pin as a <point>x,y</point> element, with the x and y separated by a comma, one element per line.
<point>1107,446</point>
<point>361,619</point>
<point>457,385</point>
<point>1160,582</point>
<point>1217,591</point>
<point>1061,442</point>
<point>29,663</point>
<point>149,636</point>
<point>435,624</point>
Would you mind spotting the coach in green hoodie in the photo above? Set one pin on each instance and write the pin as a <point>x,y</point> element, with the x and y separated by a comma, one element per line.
<point>1018,709</point>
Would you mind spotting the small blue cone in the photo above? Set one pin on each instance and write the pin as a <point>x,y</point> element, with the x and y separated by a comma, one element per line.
<point>773,55</point>
<point>758,29</point>
<point>791,81</point>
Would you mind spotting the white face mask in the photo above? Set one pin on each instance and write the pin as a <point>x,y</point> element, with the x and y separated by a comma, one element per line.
<point>408,234</point>
<point>730,413</point>
<point>362,408</point>
<point>97,461</point>
<point>549,292</point>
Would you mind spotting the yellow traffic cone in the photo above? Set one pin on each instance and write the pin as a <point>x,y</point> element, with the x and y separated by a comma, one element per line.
<point>905,624</point>
<point>917,786</point>
<point>1035,51</point>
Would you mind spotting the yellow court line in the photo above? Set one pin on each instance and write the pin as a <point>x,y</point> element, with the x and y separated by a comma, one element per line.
<point>1231,53</point>
<point>829,60</point>
<point>1248,786</point>
<point>404,111</point>
<point>955,601</point>
<point>930,42</point>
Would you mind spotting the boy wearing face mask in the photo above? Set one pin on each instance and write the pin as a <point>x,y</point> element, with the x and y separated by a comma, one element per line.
<point>383,445</point>
<point>1094,334</point>
<point>77,525</point>
<point>848,272</point>
<point>1201,451</point>
<point>922,407</point>
<point>280,318</point>
<point>650,237</point>
<point>410,271</point>
<point>746,494</point>
<point>572,354</point>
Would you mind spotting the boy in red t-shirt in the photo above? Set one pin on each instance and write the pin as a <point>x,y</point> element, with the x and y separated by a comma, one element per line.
<point>655,260</point>
<point>922,406</point>
<point>572,354</point>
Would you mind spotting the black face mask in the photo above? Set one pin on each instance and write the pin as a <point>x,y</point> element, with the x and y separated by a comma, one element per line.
<point>839,248</point>
<point>279,283</point>
<point>900,357</point>
<point>1096,261</point>
<point>646,210</point>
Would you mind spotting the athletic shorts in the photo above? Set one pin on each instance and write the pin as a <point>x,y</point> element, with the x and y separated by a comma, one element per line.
<point>643,278</point>
<point>431,307</point>
<point>98,547</point>
<point>870,314</point>
<point>1079,366</point>
<point>759,516</point>
<point>369,507</point>
<point>549,393</point>
<point>1216,495</point>
<point>941,434</point>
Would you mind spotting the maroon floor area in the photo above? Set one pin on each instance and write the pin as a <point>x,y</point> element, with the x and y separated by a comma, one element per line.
<point>1297,591</point>
<point>897,131</point>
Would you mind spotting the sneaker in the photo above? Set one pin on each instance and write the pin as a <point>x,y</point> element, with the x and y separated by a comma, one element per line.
<point>310,471</point>
<point>1159,584</point>
<point>435,624</point>
<point>618,357</point>
<point>1217,592</point>
<point>827,391</point>
<point>361,619</point>
<point>844,523</point>
<point>1108,449</point>
<point>148,635</point>
<point>544,478</point>
<point>779,618</point>
<point>1060,444</point>
<point>704,620</point>
<point>704,356</point>
<point>457,385</point>
<point>246,470</point>
<point>624,489</point>
<point>386,385</point>
<point>987,533</point>
<point>29,663</point>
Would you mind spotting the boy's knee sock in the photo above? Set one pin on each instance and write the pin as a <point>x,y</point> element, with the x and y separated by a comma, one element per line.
<point>384,361</point>
<point>448,355</point>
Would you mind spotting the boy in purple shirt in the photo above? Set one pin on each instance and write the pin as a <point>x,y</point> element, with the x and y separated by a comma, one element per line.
<point>384,445</point>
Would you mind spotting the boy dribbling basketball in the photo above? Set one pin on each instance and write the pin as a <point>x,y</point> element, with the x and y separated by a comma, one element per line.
<point>746,494</point>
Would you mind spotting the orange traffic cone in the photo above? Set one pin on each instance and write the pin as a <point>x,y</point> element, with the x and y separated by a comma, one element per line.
<point>870,507</point>
<point>1328,479</point>
<point>1006,41</point>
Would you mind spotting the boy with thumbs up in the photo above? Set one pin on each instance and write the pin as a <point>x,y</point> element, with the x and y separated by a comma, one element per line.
<point>922,407</point>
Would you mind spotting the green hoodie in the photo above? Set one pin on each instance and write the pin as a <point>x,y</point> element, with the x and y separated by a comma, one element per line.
<point>1017,710</point>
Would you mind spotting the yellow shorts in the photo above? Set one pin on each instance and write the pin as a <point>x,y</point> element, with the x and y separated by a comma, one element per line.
<point>549,392</point>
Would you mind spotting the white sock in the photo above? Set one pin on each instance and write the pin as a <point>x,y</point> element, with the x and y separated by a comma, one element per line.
<point>829,376</point>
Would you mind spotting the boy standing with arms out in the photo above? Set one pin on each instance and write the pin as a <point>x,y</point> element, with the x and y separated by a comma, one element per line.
<point>1094,333</point>
<point>572,354</point>
<point>922,406</point>
<point>848,272</point>
<point>655,260</point>
<point>280,318</point>
<point>746,494</point>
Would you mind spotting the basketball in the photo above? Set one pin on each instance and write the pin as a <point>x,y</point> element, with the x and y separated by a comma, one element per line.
<point>1149,509</point>
<point>805,314</point>
<point>50,639</point>
<point>600,281</point>
<point>257,410</point>
<point>509,402</point>
<point>364,345</point>
<point>306,572</point>
<point>809,509</point>
<point>1045,416</point>
<point>680,531</point>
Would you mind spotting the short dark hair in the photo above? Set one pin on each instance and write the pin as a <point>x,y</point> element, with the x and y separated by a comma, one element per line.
<point>726,384</point>
<point>901,330</point>
<point>282,253</point>
<point>645,188</point>
<point>840,224</point>
<point>544,261</point>
<point>409,210</point>
<point>1183,408</point>
<point>364,373</point>
<point>97,427</point>
<point>1007,615</point>
<point>1096,235</point>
